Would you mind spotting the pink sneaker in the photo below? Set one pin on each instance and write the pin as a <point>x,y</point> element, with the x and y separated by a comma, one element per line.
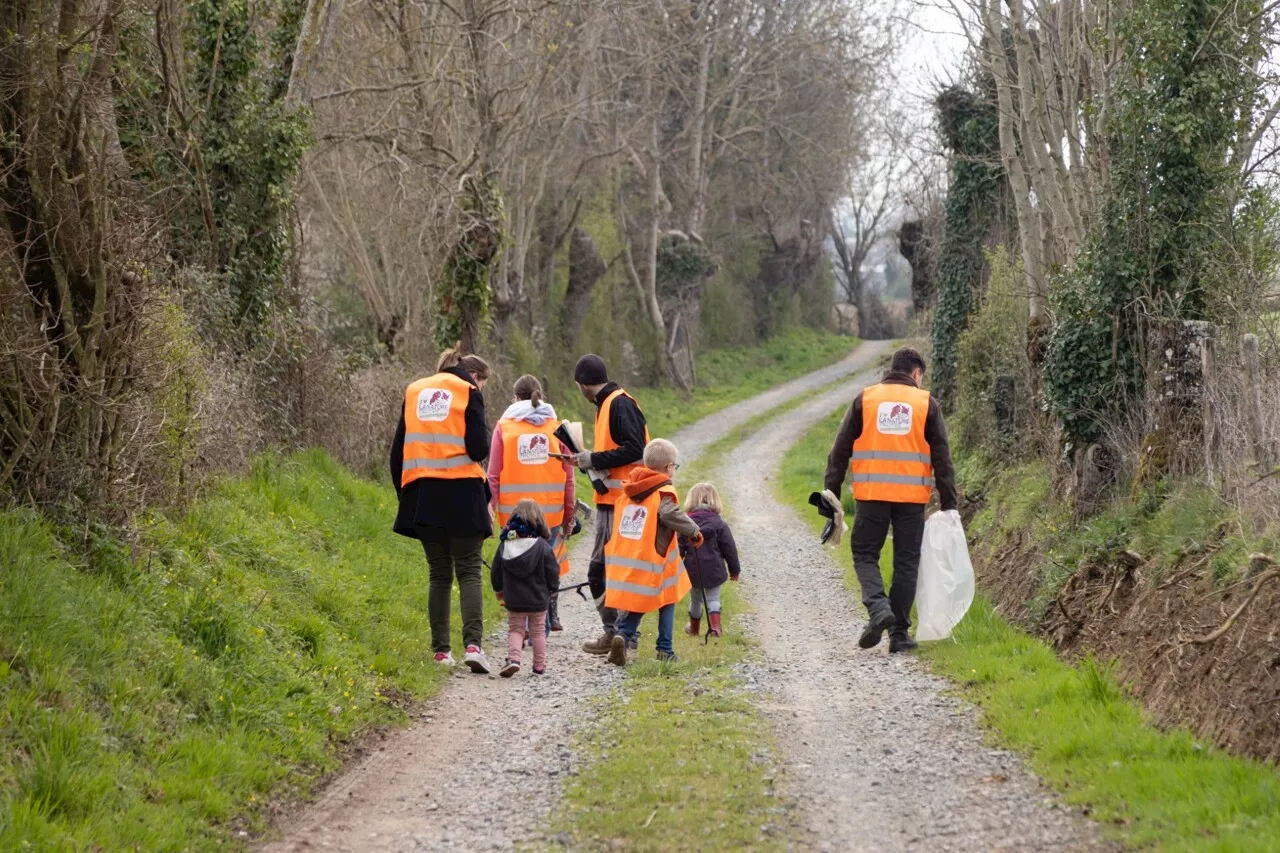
<point>476,661</point>
<point>444,659</point>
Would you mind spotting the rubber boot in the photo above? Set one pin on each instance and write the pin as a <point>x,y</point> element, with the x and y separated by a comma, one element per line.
<point>694,628</point>
<point>714,617</point>
<point>553,614</point>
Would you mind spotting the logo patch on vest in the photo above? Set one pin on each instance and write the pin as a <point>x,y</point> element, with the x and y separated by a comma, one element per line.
<point>631,524</point>
<point>434,404</point>
<point>894,418</point>
<point>533,448</point>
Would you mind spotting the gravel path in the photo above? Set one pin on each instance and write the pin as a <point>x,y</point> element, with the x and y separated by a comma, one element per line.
<point>484,765</point>
<point>875,756</point>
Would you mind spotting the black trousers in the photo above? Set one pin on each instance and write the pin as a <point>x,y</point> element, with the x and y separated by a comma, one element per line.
<point>871,524</point>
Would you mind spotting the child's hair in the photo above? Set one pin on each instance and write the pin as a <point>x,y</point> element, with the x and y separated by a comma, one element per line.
<point>659,453</point>
<point>473,364</point>
<point>529,388</point>
<point>703,496</point>
<point>527,520</point>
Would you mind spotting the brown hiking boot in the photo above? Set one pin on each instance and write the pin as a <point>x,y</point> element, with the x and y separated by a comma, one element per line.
<point>599,646</point>
<point>618,650</point>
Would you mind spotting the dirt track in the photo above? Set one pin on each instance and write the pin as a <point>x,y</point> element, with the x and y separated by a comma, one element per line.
<point>877,757</point>
<point>483,765</point>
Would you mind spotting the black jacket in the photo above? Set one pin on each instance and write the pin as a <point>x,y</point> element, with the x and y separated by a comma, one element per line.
<point>459,506</point>
<point>527,574</point>
<point>626,425</point>
<point>935,433</point>
<point>707,567</point>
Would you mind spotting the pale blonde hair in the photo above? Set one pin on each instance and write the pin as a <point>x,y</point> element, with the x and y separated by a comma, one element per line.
<point>703,496</point>
<point>659,453</point>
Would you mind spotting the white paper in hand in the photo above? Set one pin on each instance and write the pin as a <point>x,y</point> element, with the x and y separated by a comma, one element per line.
<point>945,587</point>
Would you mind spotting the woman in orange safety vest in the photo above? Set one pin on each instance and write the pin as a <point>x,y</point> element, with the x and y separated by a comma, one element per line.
<point>521,465</point>
<point>436,466</point>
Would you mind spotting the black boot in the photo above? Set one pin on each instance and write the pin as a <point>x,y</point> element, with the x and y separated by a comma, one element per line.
<point>553,614</point>
<point>900,641</point>
<point>880,622</point>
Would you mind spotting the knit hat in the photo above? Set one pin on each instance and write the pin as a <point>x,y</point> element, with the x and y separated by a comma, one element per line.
<point>590,370</point>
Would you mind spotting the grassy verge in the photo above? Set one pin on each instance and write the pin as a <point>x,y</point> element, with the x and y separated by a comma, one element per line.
<point>156,697</point>
<point>160,694</point>
<point>1081,733</point>
<point>681,758</point>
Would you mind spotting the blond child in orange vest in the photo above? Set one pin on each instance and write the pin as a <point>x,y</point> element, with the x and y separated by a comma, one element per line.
<point>643,570</point>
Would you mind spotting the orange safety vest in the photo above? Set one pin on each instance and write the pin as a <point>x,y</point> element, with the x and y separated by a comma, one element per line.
<point>891,460</point>
<point>529,471</point>
<point>636,577</point>
<point>435,430</point>
<point>603,438</point>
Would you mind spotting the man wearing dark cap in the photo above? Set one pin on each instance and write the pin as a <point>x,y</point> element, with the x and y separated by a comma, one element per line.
<point>620,437</point>
<point>894,444</point>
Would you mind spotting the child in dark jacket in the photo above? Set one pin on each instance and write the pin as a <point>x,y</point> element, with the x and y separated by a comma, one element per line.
<point>711,563</point>
<point>525,575</point>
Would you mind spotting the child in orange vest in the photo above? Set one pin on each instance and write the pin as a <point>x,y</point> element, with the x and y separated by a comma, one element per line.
<point>525,575</point>
<point>643,571</point>
<point>711,563</point>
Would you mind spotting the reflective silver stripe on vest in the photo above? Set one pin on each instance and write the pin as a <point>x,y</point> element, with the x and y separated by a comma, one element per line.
<point>633,563</point>
<point>530,488</point>
<point>614,484</point>
<point>451,462</point>
<point>641,589</point>
<point>435,438</point>
<point>893,455</point>
<point>510,508</point>
<point>895,479</point>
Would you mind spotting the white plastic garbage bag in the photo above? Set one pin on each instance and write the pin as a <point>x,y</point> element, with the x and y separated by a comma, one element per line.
<point>945,587</point>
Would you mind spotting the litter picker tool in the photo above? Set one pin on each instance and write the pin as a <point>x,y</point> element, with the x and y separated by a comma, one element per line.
<point>577,587</point>
<point>702,590</point>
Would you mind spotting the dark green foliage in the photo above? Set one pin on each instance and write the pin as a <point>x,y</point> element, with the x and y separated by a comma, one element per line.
<point>1182,102</point>
<point>251,145</point>
<point>462,300</point>
<point>970,129</point>
<point>682,265</point>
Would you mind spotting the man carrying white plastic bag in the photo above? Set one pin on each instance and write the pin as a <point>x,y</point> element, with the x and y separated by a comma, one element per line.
<point>945,587</point>
<point>893,445</point>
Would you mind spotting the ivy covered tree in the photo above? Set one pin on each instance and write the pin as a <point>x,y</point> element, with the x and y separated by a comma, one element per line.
<point>1184,103</point>
<point>973,207</point>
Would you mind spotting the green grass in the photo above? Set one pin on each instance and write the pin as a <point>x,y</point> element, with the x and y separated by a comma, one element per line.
<point>1081,733</point>
<point>155,697</point>
<point>681,758</point>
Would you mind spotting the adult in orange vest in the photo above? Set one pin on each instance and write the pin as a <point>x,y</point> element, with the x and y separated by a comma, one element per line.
<point>643,569</point>
<point>893,442</point>
<point>436,459</point>
<point>521,466</point>
<point>620,437</point>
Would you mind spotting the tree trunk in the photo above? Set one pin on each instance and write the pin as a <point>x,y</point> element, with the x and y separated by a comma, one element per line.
<point>586,267</point>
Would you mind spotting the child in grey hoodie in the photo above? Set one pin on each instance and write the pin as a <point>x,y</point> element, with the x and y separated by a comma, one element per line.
<point>525,577</point>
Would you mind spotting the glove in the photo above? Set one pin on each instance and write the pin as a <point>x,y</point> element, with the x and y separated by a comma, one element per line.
<point>583,459</point>
<point>696,540</point>
<point>501,601</point>
<point>734,578</point>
